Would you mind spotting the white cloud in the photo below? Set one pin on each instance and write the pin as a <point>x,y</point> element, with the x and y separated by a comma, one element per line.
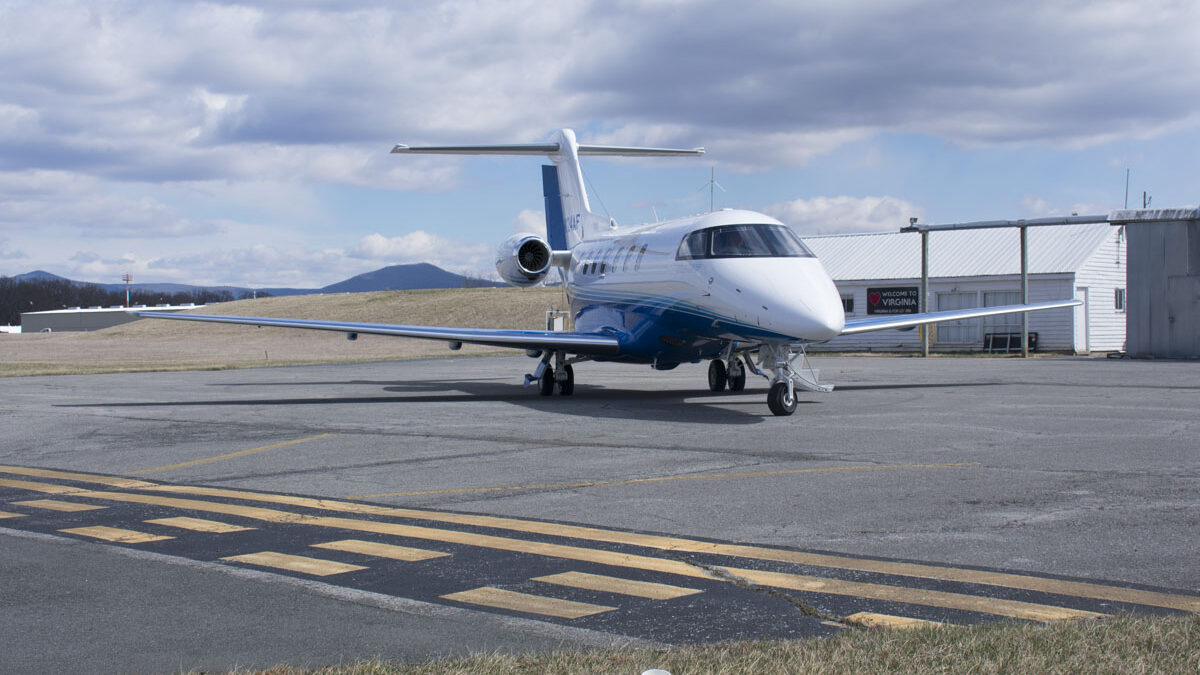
<point>191,121</point>
<point>530,221</point>
<point>839,215</point>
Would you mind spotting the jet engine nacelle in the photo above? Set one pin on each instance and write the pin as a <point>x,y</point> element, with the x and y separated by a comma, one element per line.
<point>524,259</point>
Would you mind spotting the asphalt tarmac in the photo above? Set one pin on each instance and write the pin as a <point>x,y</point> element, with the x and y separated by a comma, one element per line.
<point>313,515</point>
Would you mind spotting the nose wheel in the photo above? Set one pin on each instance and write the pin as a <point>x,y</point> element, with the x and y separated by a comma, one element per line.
<point>781,399</point>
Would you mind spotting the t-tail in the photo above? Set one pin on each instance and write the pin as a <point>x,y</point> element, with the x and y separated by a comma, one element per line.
<point>574,221</point>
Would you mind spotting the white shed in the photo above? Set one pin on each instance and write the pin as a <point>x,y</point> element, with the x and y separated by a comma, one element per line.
<point>881,274</point>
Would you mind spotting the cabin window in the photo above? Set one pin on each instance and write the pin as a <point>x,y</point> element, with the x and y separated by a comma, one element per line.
<point>742,241</point>
<point>641,254</point>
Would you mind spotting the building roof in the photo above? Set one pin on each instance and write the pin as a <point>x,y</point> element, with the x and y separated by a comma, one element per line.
<point>957,253</point>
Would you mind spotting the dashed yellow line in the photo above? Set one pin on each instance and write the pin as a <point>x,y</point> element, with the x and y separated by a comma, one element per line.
<point>6,514</point>
<point>499,598</point>
<point>232,455</point>
<point>57,505</point>
<point>666,479</point>
<point>873,620</point>
<point>199,525</point>
<point>607,584</point>
<point>295,563</point>
<point>390,551</point>
<point>115,534</point>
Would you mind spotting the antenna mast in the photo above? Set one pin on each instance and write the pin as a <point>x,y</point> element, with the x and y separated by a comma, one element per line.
<point>712,187</point>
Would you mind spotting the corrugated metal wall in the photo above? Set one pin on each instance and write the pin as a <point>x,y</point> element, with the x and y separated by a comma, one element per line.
<point>1164,288</point>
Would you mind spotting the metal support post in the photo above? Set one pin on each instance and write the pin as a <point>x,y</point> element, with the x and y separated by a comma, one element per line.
<point>925,330</point>
<point>1024,291</point>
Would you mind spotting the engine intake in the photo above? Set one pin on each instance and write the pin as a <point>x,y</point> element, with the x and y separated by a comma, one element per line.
<point>523,259</point>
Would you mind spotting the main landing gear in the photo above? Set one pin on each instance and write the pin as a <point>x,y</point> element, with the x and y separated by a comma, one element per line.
<point>560,376</point>
<point>726,373</point>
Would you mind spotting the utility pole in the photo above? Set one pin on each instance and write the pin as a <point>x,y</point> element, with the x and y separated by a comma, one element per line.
<point>126,278</point>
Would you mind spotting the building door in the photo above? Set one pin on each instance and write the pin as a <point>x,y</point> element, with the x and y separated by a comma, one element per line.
<point>1082,346</point>
<point>962,332</point>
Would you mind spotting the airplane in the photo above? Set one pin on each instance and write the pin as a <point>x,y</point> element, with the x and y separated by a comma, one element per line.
<point>734,287</point>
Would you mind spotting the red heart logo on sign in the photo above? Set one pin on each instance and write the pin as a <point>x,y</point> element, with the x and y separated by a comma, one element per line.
<point>873,298</point>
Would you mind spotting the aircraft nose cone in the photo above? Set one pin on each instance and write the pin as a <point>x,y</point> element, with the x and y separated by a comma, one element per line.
<point>809,305</point>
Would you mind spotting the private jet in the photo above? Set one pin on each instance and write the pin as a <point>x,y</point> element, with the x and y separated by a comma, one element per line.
<point>734,287</point>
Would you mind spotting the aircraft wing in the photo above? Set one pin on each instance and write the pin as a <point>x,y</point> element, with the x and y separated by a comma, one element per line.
<point>576,343</point>
<point>855,326</point>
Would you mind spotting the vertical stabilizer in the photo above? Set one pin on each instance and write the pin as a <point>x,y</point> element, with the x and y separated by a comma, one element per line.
<point>556,228</point>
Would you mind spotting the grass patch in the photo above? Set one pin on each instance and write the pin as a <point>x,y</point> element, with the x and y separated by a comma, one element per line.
<point>152,345</point>
<point>1125,644</point>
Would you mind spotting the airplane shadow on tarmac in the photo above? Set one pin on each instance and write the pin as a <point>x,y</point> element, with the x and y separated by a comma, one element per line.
<point>594,401</point>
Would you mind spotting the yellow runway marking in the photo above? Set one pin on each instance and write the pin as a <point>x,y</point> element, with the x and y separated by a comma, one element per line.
<point>231,455</point>
<point>405,553</point>
<point>598,582</point>
<point>1080,589</point>
<point>665,479</point>
<point>56,505</point>
<point>529,604</point>
<point>912,596</point>
<point>1014,609</point>
<point>115,534</point>
<point>199,525</point>
<point>674,544</point>
<point>295,563</point>
<point>111,481</point>
<point>6,514</point>
<point>873,620</point>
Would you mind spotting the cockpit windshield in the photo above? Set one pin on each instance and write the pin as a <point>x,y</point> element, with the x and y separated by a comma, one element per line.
<point>742,241</point>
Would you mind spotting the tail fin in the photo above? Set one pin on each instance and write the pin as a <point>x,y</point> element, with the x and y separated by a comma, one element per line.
<point>575,214</point>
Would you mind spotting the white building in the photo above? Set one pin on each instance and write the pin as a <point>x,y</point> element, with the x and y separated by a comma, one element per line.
<point>881,274</point>
<point>87,318</point>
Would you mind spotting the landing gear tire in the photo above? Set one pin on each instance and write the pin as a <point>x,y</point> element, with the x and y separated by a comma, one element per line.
<point>546,384</point>
<point>778,400</point>
<point>567,387</point>
<point>717,375</point>
<point>737,378</point>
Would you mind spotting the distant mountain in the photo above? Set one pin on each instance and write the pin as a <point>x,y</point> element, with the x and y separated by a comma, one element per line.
<point>40,275</point>
<point>391,278</point>
<point>406,277</point>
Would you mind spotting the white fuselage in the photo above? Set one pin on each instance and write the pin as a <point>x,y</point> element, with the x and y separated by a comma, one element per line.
<point>667,309</point>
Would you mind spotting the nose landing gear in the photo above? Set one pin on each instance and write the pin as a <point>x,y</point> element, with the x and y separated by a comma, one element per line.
<point>781,398</point>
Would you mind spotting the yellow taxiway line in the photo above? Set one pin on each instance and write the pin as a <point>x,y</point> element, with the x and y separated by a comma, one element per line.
<point>231,455</point>
<point>667,479</point>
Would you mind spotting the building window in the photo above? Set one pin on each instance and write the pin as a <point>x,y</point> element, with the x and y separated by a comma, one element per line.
<point>848,304</point>
<point>1119,299</point>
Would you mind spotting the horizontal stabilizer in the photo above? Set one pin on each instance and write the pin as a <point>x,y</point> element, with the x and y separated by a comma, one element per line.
<point>546,149</point>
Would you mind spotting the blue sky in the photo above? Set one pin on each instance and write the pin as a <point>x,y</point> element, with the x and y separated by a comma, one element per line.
<point>247,143</point>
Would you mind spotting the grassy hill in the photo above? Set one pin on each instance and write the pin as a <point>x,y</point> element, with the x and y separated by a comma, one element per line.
<point>151,344</point>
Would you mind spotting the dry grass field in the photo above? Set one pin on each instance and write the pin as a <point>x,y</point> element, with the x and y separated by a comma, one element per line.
<point>150,344</point>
